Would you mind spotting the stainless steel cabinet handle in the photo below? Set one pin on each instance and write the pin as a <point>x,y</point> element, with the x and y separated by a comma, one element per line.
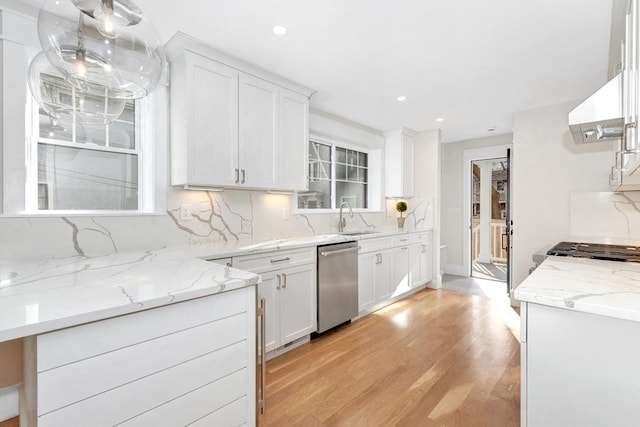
<point>279,282</point>
<point>284,280</point>
<point>424,249</point>
<point>403,240</point>
<point>262,403</point>
<point>237,175</point>
<point>243,177</point>
<point>404,248</point>
<point>626,146</point>
<point>273,261</point>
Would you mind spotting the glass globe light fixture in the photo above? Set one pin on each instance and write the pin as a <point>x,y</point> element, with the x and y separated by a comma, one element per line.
<point>129,65</point>
<point>112,15</point>
<point>65,102</point>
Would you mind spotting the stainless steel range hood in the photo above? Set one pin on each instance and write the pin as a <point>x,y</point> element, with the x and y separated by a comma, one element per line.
<point>599,117</point>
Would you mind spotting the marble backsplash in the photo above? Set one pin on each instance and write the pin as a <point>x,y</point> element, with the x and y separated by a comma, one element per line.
<point>606,217</point>
<point>214,217</point>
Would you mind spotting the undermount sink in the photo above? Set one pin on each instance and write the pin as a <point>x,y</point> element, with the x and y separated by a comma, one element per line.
<point>358,233</point>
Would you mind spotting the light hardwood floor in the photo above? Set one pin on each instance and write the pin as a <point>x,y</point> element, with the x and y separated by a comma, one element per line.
<point>13,422</point>
<point>438,358</point>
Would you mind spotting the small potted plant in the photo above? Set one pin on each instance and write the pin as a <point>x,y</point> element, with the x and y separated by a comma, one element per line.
<point>401,206</point>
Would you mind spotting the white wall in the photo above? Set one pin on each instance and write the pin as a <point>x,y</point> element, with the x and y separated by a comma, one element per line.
<point>454,229</point>
<point>548,170</point>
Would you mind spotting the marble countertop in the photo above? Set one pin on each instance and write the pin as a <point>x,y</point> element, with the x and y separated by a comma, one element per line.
<point>39,296</point>
<point>606,288</point>
<point>249,247</point>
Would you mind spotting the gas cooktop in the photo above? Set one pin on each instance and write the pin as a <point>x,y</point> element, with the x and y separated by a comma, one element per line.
<point>622,253</point>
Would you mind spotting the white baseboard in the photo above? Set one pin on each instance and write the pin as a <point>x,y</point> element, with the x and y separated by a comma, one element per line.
<point>456,270</point>
<point>9,402</point>
<point>436,283</point>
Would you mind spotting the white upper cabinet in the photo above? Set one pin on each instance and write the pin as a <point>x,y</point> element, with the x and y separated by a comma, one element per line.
<point>232,124</point>
<point>293,141</point>
<point>258,132</point>
<point>203,131</point>
<point>398,170</point>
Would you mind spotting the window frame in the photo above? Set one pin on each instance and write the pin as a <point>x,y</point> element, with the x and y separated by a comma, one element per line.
<point>33,182</point>
<point>371,169</point>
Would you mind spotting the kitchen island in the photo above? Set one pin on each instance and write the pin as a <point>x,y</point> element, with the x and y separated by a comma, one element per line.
<point>580,343</point>
<point>132,338</point>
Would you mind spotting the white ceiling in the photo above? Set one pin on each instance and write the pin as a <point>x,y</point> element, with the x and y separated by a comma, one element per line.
<point>472,62</point>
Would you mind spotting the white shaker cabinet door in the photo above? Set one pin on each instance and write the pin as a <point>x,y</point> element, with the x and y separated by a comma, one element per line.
<point>204,128</point>
<point>293,141</point>
<point>298,302</point>
<point>367,264</point>
<point>258,132</point>
<point>269,289</point>
<point>400,279</point>
<point>384,276</point>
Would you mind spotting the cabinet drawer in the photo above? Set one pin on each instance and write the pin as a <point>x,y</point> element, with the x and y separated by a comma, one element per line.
<point>423,237</point>
<point>404,240</point>
<point>370,245</point>
<point>274,260</point>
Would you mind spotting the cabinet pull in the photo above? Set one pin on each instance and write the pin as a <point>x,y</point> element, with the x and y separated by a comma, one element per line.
<point>284,280</point>
<point>237,175</point>
<point>625,136</point>
<point>404,248</point>
<point>424,249</point>
<point>243,177</point>
<point>279,282</point>
<point>273,261</point>
<point>403,240</point>
<point>262,311</point>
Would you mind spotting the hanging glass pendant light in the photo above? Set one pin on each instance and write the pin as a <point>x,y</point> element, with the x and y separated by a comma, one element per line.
<point>112,15</point>
<point>127,62</point>
<point>92,104</point>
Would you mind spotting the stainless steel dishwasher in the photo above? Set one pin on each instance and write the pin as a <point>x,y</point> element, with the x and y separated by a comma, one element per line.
<point>337,284</point>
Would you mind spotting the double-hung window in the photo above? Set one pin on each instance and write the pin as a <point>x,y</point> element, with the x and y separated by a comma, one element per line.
<point>337,174</point>
<point>82,167</point>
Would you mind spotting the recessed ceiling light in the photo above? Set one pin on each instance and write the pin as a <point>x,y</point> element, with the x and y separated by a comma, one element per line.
<point>279,30</point>
<point>401,98</point>
<point>440,119</point>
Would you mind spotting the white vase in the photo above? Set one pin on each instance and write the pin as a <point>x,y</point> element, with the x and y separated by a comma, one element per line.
<point>400,222</point>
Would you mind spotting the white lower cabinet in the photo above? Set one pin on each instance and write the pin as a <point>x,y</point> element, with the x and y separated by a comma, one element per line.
<point>172,365</point>
<point>289,289</point>
<point>578,369</point>
<point>290,304</point>
<point>374,278</point>
<point>400,282</point>
<point>391,267</point>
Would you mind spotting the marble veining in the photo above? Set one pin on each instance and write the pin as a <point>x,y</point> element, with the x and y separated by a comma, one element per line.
<point>40,296</point>
<point>37,296</point>
<point>606,288</point>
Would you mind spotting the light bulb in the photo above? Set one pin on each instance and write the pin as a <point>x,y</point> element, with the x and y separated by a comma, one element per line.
<point>81,63</point>
<point>106,26</point>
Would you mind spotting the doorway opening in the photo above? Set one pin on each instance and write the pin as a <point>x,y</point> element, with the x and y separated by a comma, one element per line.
<point>490,219</point>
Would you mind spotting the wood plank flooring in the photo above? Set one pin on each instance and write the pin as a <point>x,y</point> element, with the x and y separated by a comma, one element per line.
<point>437,358</point>
<point>12,422</point>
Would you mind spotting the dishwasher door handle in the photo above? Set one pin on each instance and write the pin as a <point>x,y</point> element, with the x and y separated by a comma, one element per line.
<point>339,251</point>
